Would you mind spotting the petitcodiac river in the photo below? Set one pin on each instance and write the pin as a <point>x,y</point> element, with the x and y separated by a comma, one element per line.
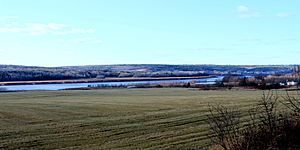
<point>209,80</point>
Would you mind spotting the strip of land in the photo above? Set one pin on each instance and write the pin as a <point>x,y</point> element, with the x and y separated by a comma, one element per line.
<point>92,80</point>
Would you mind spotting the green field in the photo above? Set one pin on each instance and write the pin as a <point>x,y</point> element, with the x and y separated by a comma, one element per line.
<point>171,118</point>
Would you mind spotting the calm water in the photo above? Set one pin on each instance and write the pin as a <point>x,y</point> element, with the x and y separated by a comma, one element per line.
<point>126,83</point>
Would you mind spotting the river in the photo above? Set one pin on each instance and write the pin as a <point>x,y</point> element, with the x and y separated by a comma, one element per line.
<point>210,80</point>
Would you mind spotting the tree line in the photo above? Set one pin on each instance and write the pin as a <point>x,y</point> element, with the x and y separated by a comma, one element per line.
<point>25,73</point>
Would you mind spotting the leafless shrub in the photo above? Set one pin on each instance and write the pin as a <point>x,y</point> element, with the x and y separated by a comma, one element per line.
<point>265,130</point>
<point>267,110</point>
<point>292,102</point>
<point>225,123</point>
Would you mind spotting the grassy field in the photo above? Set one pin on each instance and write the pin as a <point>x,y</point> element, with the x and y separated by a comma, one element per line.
<point>112,119</point>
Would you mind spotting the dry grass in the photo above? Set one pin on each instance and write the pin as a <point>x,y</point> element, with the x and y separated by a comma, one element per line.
<point>171,118</point>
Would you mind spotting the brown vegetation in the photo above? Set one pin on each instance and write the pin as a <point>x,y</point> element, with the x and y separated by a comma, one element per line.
<point>266,129</point>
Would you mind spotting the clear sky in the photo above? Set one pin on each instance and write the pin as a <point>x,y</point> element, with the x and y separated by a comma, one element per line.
<point>94,32</point>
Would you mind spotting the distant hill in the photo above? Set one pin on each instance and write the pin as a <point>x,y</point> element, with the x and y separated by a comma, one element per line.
<point>25,73</point>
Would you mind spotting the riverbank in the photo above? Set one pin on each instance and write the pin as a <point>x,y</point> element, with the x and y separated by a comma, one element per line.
<point>93,80</point>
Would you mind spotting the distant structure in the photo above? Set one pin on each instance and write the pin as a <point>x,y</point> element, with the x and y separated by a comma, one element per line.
<point>291,83</point>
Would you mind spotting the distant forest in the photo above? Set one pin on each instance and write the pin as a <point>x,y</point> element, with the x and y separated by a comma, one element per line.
<point>32,73</point>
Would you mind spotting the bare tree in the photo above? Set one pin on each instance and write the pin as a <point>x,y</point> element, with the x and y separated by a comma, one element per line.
<point>268,110</point>
<point>296,71</point>
<point>266,128</point>
<point>292,102</point>
<point>224,123</point>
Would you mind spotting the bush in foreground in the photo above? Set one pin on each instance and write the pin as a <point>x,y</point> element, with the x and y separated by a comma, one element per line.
<point>267,129</point>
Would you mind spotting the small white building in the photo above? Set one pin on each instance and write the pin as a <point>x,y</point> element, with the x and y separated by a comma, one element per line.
<point>282,84</point>
<point>291,83</point>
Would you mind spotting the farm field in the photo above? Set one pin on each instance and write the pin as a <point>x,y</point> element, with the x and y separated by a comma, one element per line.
<point>169,118</point>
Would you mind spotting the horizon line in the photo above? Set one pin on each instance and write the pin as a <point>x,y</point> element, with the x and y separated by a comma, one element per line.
<point>150,64</point>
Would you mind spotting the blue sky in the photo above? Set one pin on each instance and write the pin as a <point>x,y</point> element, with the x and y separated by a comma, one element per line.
<point>94,32</point>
